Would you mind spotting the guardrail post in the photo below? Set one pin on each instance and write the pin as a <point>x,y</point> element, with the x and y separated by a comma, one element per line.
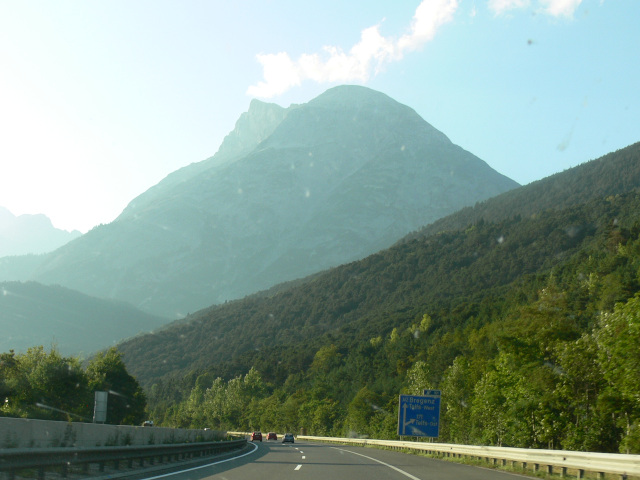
<point>580,473</point>
<point>600,475</point>
<point>40,473</point>
<point>563,472</point>
<point>549,469</point>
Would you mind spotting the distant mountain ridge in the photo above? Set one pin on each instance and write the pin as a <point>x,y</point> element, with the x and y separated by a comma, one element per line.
<point>32,314</point>
<point>290,192</point>
<point>30,234</point>
<point>590,180</point>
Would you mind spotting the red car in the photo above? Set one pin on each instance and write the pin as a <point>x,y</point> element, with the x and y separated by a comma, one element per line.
<point>255,436</point>
<point>272,436</point>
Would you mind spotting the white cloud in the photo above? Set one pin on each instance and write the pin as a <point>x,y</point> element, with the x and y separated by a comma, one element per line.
<point>501,6</point>
<point>560,8</point>
<point>429,16</point>
<point>280,74</point>
<point>555,8</point>
<point>367,57</point>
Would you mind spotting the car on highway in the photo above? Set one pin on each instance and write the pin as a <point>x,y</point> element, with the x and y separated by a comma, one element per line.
<point>256,436</point>
<point>288,438</point>
<point>272,436</point>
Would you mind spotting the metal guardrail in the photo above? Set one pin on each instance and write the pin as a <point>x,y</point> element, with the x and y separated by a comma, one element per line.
<point>547,460</point>
<point>65,460</point>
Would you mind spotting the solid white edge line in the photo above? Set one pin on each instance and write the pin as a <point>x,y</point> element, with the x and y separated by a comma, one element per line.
<point>406,474</point>
<point>255,447</point>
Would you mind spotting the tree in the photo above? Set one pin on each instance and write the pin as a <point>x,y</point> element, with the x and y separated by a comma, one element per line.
<point>361,412</point>
<point>418,378</point>
<point>127,401</point>
<point>56,385</point>
<point>581,383</point>
<point>618,341</point>
<point>457,390</point>
<point>13,385</point>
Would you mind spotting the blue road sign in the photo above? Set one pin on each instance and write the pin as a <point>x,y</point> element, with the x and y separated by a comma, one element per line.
<point>419,416</point>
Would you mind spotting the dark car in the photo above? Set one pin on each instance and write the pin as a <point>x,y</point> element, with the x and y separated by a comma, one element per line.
<point>255,436</point>
<point>272,436</point>
<point>288,437</point>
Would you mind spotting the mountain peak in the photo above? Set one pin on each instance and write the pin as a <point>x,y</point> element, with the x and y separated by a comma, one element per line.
<point>252,127</point>
<point>291,191</point>
<point>350,94</point>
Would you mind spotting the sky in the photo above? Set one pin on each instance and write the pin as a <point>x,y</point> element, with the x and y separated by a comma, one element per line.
<point>101,99</point>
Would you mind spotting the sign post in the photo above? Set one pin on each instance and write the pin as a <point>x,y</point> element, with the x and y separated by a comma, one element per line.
<point>419,416</point>
<point>100,407</point>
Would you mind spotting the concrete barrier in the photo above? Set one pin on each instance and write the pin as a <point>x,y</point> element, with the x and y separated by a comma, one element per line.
<point>26,433</point>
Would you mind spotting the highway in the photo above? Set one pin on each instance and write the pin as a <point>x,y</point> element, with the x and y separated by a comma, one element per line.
<point>310,461</point>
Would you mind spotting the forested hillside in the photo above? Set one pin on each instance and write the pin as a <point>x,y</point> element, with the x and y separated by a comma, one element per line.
<point>530,326</point>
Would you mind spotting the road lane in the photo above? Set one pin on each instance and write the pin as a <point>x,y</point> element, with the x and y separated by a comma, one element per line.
<point>424,468</point>
<point>309,461</point>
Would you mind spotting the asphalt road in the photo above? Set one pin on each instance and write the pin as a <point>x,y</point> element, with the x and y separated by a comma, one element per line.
<point>309,461</point>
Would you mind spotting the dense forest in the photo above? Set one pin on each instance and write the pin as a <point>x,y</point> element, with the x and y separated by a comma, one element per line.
<point>50,386</point>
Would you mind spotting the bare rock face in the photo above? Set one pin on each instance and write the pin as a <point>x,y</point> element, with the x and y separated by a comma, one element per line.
<point>289,193</point>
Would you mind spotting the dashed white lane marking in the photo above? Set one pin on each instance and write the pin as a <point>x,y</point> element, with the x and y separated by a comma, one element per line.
<point>303,457</point>
<point>298,467</point>
<point>255,447</point>
<point>406,474</point>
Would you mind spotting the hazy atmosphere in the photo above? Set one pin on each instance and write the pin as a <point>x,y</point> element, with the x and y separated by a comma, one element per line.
<point>350,220</point>
<point>101,100</point>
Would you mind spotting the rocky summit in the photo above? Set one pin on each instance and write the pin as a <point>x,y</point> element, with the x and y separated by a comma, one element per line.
<point>291,191</point>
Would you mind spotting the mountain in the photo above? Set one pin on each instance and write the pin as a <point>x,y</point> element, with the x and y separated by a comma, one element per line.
<point>455,276</point>
<point>289,193</point>
<point>33,314</point>
<point>528,324</point>
<point>30,234</point>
